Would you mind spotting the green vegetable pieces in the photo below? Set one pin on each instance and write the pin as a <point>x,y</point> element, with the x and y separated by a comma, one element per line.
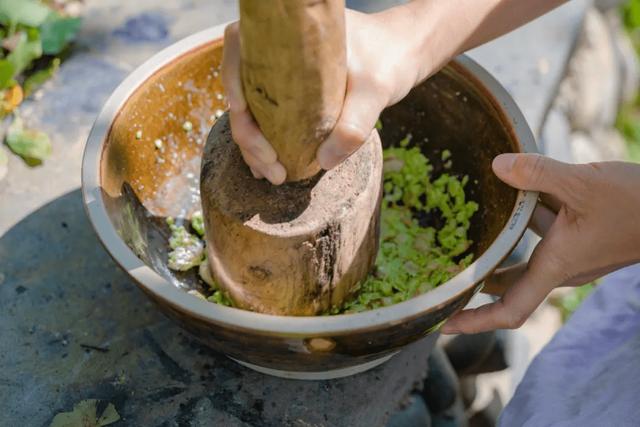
<point>197,223</point>
<point>414,259</point>
<point>187,250</point>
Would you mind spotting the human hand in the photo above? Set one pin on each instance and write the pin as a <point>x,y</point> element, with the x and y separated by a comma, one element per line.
<point>589,221</point>
<point>382,67</point>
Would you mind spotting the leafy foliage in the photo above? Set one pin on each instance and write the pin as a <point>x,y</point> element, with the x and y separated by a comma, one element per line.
<point>631,14</point>
<point>85,414</point>
<point>57,32</point>
<point>628,121</point>
<point>32,35</point>
<point>7,71</point>
<point>27,49</point>
<point>33,146</point>
<point>569,303</point>
<point>30,13</point>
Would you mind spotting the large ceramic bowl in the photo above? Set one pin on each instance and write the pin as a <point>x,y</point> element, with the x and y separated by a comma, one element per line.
<point>130,187</point>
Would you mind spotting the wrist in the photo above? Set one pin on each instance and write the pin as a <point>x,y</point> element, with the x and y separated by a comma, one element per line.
<point>408,35</point>
<point>436,31</point>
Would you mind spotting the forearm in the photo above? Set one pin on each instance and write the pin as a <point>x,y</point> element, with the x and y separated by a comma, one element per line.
<point>442,29</point>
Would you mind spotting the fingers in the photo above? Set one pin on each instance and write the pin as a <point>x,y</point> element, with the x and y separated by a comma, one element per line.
<point>247,135</point>
<point>274,172</point>
<point>534,172</point>
<point>360,112</point>
<point>530,287</point>
<point>231,68</point>
<point>502,279</point>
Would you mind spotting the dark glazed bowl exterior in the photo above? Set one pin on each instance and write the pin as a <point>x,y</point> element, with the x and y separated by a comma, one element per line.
<point>130,186</point>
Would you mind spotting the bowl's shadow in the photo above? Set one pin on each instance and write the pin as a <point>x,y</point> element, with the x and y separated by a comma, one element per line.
<point>74,327</point>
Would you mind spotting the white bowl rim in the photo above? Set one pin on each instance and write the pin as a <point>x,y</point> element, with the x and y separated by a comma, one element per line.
<point>288,325</point>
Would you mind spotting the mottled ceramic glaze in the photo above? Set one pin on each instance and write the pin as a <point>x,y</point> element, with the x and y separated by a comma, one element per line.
<point>130,186</point>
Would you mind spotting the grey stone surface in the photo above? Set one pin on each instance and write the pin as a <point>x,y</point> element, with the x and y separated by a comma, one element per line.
<point>590,93</point>
<point>627,57</point>
<point>59,290</point>
<point>74,327</point>
<point>608,4</point>
<point>441,388</point>
<point>467,352</point>
<point>414,414</point>
<point>556,136</point>
<point>601,144</point>
<point>531,61</point>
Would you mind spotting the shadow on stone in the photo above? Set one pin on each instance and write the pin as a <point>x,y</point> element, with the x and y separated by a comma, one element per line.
<point>75,327</point>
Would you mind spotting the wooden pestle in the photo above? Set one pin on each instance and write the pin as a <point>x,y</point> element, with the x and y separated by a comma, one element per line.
<point>302,247</point>
<point>294,75</point>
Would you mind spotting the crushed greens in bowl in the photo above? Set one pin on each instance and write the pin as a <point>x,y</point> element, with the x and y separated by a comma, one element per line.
<point>414,256</point>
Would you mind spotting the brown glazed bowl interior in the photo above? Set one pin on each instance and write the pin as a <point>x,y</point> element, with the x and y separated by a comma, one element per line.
<point>130,186</point>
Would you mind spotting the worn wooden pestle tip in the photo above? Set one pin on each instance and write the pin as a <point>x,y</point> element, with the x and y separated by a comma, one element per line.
<point>303,247</point>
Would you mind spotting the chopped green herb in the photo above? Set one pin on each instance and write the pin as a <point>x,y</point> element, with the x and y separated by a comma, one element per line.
<point>197,222</point>
<point>405,141</point>
<point>221,298</point>
<point>414,259</point>
<point>187,250</point>
<point>139,134</point>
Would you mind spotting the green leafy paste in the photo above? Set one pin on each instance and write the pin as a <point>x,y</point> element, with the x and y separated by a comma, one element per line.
<point>413,258</point>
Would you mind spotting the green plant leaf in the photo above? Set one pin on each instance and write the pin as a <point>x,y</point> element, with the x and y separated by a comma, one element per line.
<point>24,53</point>
<point>109,416</point>
<point>31,13</point>
<point>56,32</point>
<point>7,71</point>
<point>569,303</point>
<point>33,146</point>
<point>37,79</point>
<point>84,414</point>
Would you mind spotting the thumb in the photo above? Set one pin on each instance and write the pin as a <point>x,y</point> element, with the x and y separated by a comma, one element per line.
<point>360,112</point>
<point>533,172</point>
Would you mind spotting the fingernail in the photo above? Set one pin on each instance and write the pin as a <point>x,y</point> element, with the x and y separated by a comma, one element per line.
<point>330,154</point>
<point>275,173</point>
<point>503,163</point>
